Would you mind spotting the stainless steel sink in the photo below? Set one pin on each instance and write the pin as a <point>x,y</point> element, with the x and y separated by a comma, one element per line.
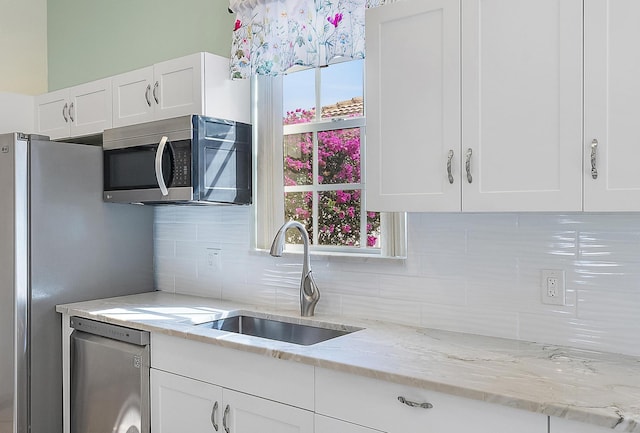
<point>296,333</point>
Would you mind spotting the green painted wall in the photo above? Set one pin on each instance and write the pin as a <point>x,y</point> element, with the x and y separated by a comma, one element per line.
<point>91,39</point>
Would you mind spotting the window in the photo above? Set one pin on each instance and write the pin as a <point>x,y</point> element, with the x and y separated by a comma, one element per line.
<point>310,129</point>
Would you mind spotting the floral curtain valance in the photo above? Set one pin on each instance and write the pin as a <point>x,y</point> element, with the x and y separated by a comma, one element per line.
<point>272,36</point>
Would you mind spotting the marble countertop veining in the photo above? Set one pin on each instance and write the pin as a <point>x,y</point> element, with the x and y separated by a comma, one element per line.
<point>593,387</point>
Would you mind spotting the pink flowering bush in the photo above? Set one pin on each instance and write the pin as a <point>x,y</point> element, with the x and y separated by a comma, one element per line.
<point>338,163</point>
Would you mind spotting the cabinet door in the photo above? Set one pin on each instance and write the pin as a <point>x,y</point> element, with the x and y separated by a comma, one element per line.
<point>90,107</point>
<point>560,425</point>
<point>177,87</point>
<point>132,97</point>
<point>244,413</point>
<point>52,114</point>
<point>180,404</point>
<point>413,106</point>
<point>612,91</point>
<point>522,105</point>
<point>325,424</point>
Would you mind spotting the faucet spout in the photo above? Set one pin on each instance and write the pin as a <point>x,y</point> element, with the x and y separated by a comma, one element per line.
<point>309,293</point>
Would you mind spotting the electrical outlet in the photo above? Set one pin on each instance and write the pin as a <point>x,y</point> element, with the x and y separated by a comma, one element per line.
<point>552,287</point>
<point>212,258</point>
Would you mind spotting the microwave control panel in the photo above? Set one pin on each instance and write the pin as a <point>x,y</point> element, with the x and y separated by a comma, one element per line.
<point>181,163</point>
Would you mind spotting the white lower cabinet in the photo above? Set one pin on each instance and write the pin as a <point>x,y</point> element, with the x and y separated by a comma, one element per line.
<point>324,424</point>
<point>249,414</point>
<point>258,393</point>
<point>182,404</point>
<point>561,425</point>
<point>254,393</point>
<point>377,404</point>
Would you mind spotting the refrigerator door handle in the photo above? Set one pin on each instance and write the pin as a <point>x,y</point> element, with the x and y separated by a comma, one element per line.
<point>159,174</point>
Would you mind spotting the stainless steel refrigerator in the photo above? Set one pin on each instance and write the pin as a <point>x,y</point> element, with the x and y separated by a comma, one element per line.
<point>59,243</point>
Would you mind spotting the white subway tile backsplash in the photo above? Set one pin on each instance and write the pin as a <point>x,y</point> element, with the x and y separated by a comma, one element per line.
<point>174,231</point>
<point>470,319</point>
<point>475,273</point>
<point>165,282</point>
<point>210,287</point>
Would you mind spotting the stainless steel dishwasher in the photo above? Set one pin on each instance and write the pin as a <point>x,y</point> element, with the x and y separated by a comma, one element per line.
<point>109,378</point>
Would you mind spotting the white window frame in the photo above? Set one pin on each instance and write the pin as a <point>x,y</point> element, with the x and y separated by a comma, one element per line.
<point>268,215</point>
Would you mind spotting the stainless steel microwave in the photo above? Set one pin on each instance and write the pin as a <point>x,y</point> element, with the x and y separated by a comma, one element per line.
<point>184,160</point>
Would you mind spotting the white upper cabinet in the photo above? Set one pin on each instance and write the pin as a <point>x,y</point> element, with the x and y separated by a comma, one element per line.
<point>517,144</point>
<point>612,92</point>
<point>194,84</point>
<point>76,111</point>
<point>90,108</point>
<point>522,105</point>
<point>413,106</point>
<point>132,97</point>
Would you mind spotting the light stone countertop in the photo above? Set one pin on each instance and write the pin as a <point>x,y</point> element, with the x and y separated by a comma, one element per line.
<point>593,387</point>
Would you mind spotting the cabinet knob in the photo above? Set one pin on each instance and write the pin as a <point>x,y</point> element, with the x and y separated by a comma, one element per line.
<point>64,112</point>
<point>155,92</point>
<point>71,114</point>
<point>410,403</point>
<point>467,165</point>
<point>449,158</point>
<point>147,93</point>
<point>214,412</point>
<point>224,419</point>
<point>594,156</point>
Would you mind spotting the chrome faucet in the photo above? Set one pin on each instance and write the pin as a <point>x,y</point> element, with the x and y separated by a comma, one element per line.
<point>309,293</point>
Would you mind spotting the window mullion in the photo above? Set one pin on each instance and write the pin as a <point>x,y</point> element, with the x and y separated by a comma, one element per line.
<point>315,165</point>
<point>316,195</point>
<point>363,199</point>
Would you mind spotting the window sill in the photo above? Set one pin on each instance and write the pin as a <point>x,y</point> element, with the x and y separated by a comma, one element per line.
<point>329,255</point>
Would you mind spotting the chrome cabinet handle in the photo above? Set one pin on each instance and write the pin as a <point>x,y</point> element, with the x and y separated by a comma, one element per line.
<point>155,92</point>
<point>449,158</point>
<point>224,419</point>
<point>158,167</point>
<point>146,94</point>
<point>71,112</point>
<point>214,411</point>
<point>410,403</point>
<point>64,112</point>
<point>467,165</point>
<point>594,151</point>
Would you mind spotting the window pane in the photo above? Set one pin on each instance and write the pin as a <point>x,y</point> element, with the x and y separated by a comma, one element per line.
<point>298,206</point>
<point>339,156</point>
<point>298,159</point>
<point>299,97</point>
<point>341,92</point>
<point>339,219</point>
<point>373,229</point>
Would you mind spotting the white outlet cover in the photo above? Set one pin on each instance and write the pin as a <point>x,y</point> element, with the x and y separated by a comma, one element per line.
<point>558,275</point>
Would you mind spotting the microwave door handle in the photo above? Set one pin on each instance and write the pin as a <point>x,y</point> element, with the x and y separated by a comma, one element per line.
<point>159,175</point>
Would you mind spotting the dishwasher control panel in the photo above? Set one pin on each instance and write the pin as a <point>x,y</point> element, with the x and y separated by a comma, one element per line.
<point>115,332</point>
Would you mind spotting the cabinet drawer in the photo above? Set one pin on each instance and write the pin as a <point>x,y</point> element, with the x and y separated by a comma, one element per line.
<point>324,424</point>
<point>561,425</point>
<point>284,381</point>
<point>374,403</point>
